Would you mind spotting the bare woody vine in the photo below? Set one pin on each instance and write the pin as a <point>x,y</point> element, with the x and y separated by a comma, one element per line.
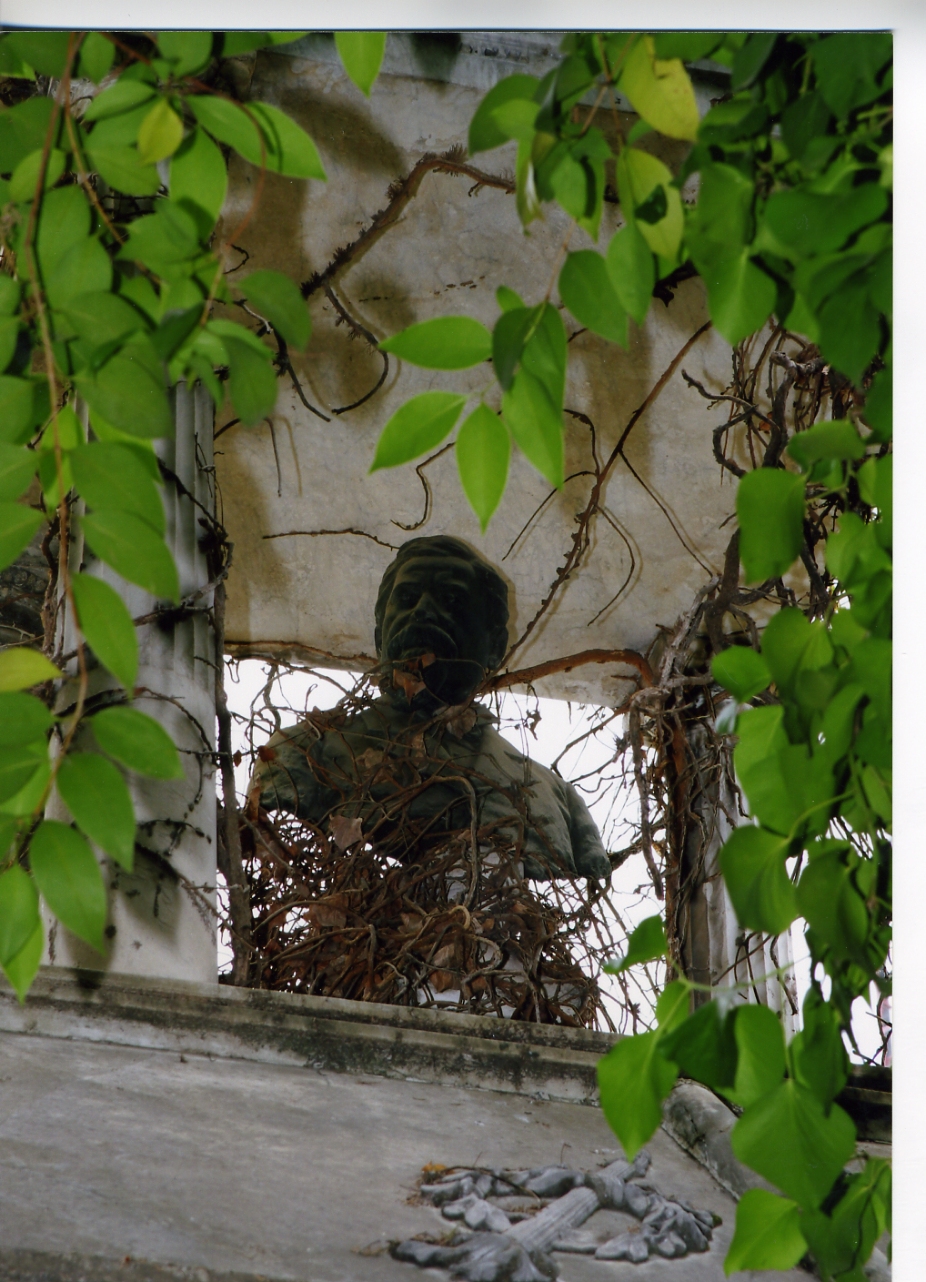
<point>109,201</point>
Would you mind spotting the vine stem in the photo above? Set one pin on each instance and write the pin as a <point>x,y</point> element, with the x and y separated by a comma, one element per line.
<point>32,269</point>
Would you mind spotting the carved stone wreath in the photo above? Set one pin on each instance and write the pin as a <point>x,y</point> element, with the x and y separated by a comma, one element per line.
<point>500,1240</point>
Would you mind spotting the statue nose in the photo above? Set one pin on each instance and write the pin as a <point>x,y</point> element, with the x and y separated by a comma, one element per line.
<point>425,608</point>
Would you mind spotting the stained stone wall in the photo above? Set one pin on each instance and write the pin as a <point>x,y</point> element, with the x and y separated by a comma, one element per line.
<point>290,486</point>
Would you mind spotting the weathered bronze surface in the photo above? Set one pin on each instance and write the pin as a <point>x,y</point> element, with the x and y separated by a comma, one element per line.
<point>424,751</point>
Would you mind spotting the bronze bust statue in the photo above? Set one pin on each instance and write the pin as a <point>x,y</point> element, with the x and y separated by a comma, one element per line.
<point>424,750</point>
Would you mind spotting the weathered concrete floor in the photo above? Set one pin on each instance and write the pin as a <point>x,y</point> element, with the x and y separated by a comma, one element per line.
<point>291,1173</point>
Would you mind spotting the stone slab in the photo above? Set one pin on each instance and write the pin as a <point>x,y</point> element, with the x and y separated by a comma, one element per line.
<point>236,1166</point>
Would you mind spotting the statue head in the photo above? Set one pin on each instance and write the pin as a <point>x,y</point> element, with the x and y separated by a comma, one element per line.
<point>439,597</point>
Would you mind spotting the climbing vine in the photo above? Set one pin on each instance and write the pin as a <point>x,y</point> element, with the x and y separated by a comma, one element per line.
<point>791,229</point>
<point>112,176</point>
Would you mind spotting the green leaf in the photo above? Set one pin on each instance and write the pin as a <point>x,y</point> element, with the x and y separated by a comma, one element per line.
<point>483,451</point>
<point>817,1054</point>
<point>517,119</point>
<point>786,1137</point>
<point>96,57</point>
<point>21,970</point>
<point>770,508</point>
<point>279,300</point>
<point>768,1233</point>
<point>107,626</point>
<point>723,216</point>
<point>826,441</point>
<point>850,329</point>
<point>416,427</point>
<point>633,1080</point>
<point>741,296</point>
<point>17,409</point>
<point>252,383</point>
<point>160,134</point>
<point>32,794</point>
<point>18,524</point>
<point>70,881</point>
<point>640,177</point>
<point>843,1237</point>
<point>741,671</point>
<point>187,51</point>
<point>23,128</point>
<point>545,354</point>
<point>122,96</point>
<point>536,424</point>
<point>11,65</point>
<point>811,223</point>
<point>847,66</point>
<point>704,1047</point>
<point>85,267</point>
<point>691,46</point>
<point>660,91</point>
<point>134,550</point>
<point>9,335</point>
<point>672,1005</point>
<point>753,865</point>
<point>791,643</point>
<point>111,476</point>
<point>829,900</point>
<point>23,719</point>
<point>137,741</point>
<point>17,468</point>
<point>95,793</point>
<point>751,58</point>
<point>19,912</point>
<point>18,765</point>
<point>361,53</point>
<point>10,291</point>
<point>632,270</point>
<point>585,286</point>
<point>130,392</point>
<point>287,149</point>
<point>174,330</point>
<point>45,51</point>
<point>506,298</point>
<point>484,131</point>
<point>645,943</point>
<point>21,668</point>
<point>121,167</point>
<point>760,1063</point>
<point>447,342</point>
<point>24,181</point>
<point>106,316</point>
<point>199,180</point>
<point>163,240</point>
<point>511,332</point>
<point>878,405</point>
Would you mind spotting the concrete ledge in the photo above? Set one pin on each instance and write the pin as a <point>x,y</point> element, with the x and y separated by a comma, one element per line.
<point>320,1032</point>
<point>48,1266</point>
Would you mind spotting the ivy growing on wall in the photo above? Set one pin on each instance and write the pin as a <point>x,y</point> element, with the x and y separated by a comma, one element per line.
<point>791,227</point>
<point>112,177</point>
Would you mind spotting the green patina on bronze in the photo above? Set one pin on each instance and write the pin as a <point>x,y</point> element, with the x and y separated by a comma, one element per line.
<point>424,750</point>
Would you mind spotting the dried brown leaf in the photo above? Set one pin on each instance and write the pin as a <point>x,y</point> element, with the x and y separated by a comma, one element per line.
<point>345,832</point>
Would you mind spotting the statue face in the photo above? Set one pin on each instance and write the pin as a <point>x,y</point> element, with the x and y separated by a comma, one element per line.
<point>436,607</point>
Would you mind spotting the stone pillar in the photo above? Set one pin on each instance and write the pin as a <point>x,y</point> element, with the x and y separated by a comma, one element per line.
<point>715,950</point>
<point>162,915</point>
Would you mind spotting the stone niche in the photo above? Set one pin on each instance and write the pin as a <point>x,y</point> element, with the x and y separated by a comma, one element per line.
<point>312,530</point>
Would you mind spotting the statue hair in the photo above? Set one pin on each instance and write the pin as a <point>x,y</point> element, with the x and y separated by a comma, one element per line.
<point>487,578</point>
